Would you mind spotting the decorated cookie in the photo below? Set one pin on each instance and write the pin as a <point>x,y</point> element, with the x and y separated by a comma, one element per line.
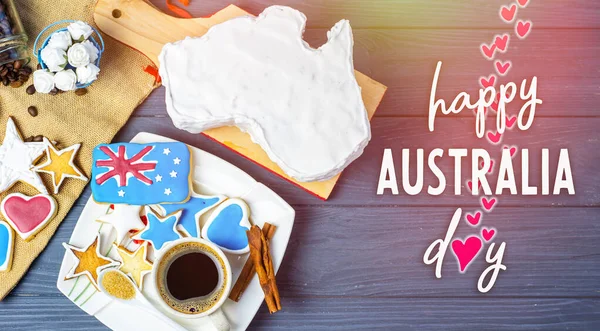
<point>160,230</point>
<point>141,174</point>
<point>191,211</point>
<point>28,215</point>
<point>227,226</point>
<point>89,261</point>
<point>17,159</point>
<point>7,244</point>
<point>135,264</point>
<point>60,164</point>
<point>123,218</point>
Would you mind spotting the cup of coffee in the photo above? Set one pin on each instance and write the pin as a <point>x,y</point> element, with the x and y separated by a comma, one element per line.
<point>193,279</point>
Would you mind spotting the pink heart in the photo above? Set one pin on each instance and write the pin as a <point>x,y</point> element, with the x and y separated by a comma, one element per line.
<point>502,67</point>
<point>511,121</point>
<point>523,28</point>
<point>523,3</point>
<point>491,166</point>
<point>513,150</point>
<point>474,219</point>
<point>28,214</point>
<point>488,204</point>
<point>488,234</point>
<point>501,42</point>
<point>488,51</point>
<point>466,251</point>
<point>508,13</point>
<point>470,185</point>
<point>494,138</point>
<point>490,81</point>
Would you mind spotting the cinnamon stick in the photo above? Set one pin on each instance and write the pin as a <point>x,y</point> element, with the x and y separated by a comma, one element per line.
<point>248,271</point>
<point>260,255</point>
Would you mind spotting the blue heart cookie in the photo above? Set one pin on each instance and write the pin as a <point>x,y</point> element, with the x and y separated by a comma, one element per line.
<point>6,246</point>
<point>227,227</point>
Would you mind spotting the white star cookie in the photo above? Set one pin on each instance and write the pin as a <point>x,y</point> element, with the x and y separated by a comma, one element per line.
<point>123,219</point>
<point>17,159</point>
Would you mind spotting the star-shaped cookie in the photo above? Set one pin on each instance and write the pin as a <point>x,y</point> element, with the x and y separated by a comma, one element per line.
<point>135,264</point>
<point>160,230</point>
<point>89,261</point>
<point>17,159</point>
<point>60,164</point>
<point>195,207</point>
<point>123,218</point>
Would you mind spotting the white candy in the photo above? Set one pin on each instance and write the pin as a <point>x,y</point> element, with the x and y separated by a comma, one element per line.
<point>303,106</point>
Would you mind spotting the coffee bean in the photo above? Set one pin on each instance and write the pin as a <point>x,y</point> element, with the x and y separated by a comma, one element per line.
<point>4,72</point>
<point>18,64</point>
<point>54,91</point>
<point>39,66</point>
<point>32,111</point>
<point>23,78</point>
<point>81,91</point>
<point>30,89</point>
<point>28,139</point>
<point>27,69</point>
<point>38,138</point>
<point>16,84</point>
<point>5,81</point>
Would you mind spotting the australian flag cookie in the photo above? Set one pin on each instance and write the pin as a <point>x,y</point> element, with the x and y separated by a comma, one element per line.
<point>141,174</point>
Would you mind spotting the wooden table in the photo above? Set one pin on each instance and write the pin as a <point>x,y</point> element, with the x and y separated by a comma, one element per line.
<point>355,261</point>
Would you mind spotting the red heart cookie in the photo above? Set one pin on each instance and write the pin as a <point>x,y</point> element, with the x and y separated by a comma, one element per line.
<point>28,215</point>
<point>466,251</point>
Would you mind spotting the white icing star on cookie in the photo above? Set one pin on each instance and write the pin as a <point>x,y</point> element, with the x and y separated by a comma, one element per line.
<point>168,191</point>
<point>166,151</point>
<point>158,178</point>
<point>176,161</point>
<point>123,219</point>
<point>17,158</point>
<point>173,174</point>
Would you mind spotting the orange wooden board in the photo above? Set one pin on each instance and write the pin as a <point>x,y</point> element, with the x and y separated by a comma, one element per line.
<point>145,28</point>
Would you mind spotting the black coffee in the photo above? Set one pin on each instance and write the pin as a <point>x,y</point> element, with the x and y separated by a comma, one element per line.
<point>192,275</point>
<point>189,278</point>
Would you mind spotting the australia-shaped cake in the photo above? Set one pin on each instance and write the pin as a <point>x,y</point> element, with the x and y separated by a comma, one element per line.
<point>302,105</point>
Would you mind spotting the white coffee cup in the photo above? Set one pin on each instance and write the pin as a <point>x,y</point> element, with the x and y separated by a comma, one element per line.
<point>171,253</point>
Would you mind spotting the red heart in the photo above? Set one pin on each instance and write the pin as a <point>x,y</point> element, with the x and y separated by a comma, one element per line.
<point>488,51</point>
<point>28,214</point>
<point>490,81</point>
<point>494,138</point>
<point>501,42</point>
<point>491,166</point>
<point>508,13</point>
<point>488,234</point>
<point>466,251</point>
<point>470,185</point>
<point>502,68</point>
<point>511,121</point>
<point>513,150</point>
<point>523,3</point>
<point>474,219</point>
<point>488,204</point>
<point>523,28</point>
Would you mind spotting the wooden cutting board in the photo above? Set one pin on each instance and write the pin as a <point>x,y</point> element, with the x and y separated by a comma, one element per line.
<point>140,25</point>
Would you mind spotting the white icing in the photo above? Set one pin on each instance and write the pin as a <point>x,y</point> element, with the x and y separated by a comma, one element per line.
<point>303,106</point>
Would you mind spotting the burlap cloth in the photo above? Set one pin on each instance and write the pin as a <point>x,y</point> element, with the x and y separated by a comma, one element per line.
<point>69,119</point>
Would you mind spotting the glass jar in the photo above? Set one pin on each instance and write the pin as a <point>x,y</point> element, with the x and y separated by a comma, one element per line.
<point>13,39</point>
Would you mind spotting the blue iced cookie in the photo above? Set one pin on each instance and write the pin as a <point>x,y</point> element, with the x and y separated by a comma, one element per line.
<point>227,226</point>
<point>160,230</point>
<point>191,211</point>
<point>141,174</point>
<point>7,240</point>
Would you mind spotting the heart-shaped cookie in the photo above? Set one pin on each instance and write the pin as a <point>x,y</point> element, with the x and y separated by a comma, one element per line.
<point>6,246</point>
<point>227,226</point>
<point>28,215</point>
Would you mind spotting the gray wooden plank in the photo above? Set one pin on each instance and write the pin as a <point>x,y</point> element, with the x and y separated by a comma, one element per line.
<point>416,14</point>
<point>27,313</point>
<point>377,252</point>
<point>358,183</point>
<point>405,61</point>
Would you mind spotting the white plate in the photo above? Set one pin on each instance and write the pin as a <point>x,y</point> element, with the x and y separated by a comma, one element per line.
<point>211,175</point>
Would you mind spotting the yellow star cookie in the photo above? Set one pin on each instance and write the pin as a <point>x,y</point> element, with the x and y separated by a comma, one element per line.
<point>89,262</point>
<point>60,164</point>
<point>135,264</point>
